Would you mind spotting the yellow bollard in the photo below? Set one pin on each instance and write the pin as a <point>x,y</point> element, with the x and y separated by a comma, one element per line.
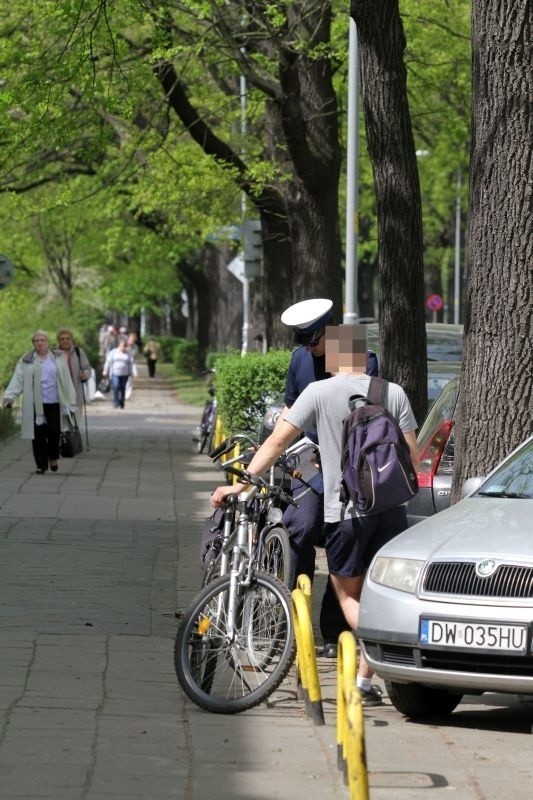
<point>351,755</point>
<point>306,655</point>
<point>220,434</point>
<point>303,582</point>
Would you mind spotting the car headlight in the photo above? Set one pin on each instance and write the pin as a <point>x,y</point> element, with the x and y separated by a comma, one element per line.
<point>398,573</point>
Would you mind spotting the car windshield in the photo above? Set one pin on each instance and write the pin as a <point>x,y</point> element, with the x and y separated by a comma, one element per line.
<point>514,478</point>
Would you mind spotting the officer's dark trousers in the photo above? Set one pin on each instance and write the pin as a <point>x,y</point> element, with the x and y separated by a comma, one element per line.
<point>305,527</point>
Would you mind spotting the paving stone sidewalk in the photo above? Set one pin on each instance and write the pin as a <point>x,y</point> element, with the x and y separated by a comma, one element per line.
<point>95,561</point>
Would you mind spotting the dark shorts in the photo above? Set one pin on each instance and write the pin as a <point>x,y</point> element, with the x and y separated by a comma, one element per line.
<point>352,544</point>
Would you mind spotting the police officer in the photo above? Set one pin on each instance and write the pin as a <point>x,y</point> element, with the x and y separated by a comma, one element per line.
<point>308,320</point>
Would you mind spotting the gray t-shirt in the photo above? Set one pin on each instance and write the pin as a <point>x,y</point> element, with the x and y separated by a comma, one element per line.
<point>323,405</point>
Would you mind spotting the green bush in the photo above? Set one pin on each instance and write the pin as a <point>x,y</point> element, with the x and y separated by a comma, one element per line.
<point>167,347</point>
<point>185,355</point>
<point>247,385</point>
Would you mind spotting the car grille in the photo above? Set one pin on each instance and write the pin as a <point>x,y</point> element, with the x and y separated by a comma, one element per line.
<point>473,662</point>
<point>459,578</point>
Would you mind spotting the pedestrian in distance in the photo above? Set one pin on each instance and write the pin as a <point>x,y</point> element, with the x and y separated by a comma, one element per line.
<point>43,379</point>
<point>351,539</point>
<point>119,366</point>
<point>78,364</point>
<point>152,351</point>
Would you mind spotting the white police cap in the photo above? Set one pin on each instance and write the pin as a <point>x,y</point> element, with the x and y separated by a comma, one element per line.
<point>308,315</point>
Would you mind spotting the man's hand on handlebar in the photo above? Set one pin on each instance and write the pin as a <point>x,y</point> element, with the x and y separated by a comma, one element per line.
<point>218,497</point>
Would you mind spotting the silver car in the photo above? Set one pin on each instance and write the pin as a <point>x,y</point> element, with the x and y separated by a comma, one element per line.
<point>447,606</point>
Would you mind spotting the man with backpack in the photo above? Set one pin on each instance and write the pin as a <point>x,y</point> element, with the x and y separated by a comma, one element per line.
<point>351,537</point>
<point>308,319</point>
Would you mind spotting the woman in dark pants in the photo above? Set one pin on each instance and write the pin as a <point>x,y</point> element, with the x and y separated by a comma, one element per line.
<point>48,397</point>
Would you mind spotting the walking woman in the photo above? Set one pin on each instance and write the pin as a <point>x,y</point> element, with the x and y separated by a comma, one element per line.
<point>79,366</point>
<point>119,365</point>
<point>48,396</point>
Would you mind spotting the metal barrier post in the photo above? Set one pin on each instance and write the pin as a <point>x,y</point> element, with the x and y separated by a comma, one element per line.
<point>305,649</point>
<point>351,755</point>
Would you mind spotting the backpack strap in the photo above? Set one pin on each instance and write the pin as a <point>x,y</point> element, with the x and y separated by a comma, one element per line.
<point>376,391</point>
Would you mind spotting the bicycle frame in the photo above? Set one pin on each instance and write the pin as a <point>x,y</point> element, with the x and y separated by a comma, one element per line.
<point>241,564</point>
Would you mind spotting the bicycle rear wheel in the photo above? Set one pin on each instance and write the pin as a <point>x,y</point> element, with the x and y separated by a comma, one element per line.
<point>276,554</point>
<point>224,674</point>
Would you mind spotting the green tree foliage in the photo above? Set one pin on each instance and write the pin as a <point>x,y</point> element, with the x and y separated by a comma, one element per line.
<point>81,98</point>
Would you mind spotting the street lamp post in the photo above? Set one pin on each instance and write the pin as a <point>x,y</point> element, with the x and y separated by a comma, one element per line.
<point>457,260</point>
<point>351,305</point>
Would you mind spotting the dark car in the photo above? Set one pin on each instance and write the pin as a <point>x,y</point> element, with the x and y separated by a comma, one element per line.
<point>444,341</point>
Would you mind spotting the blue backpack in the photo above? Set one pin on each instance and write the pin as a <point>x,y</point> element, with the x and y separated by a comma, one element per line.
<point>377,473</point>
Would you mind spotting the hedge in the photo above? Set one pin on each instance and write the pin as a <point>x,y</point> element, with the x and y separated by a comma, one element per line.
<point>247,385</point>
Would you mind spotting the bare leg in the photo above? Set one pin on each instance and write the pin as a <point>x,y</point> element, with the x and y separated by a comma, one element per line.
<point>348,590</point>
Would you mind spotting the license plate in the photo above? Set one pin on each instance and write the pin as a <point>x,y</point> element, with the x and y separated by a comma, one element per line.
<point>473,635</point>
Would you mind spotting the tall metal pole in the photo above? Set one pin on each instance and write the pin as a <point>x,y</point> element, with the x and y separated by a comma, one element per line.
<point>457,265</point>
<point>351,305</point>
<point>245,280</point>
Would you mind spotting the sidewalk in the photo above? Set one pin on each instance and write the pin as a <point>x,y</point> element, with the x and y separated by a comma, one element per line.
<point>96,560</point>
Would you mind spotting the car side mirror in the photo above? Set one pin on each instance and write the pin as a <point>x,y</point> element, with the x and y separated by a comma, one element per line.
<point>471,485</point>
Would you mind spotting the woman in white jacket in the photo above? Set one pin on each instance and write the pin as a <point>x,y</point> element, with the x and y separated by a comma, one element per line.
<point>48,397</point>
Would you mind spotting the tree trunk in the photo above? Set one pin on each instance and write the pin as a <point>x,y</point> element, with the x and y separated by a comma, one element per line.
<point>494,413</point>
<point>309,119</point>
<point>392,152</point>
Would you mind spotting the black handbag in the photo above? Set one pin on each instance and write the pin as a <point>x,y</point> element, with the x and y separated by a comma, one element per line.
<point>104,385</point>
<point>70,443</point>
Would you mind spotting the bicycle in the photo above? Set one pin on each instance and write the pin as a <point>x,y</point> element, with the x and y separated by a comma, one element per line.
<point>269,544</point>
<point>205,431</point>
<point>236,643</point>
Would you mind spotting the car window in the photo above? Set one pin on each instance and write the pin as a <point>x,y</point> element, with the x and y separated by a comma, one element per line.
<point>438,376</point>
<point>514,477</point>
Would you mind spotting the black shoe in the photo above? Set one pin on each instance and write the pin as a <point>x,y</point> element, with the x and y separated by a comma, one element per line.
<point>330,650</point>
<point>371,698</point>
<point>53,467</point>
<point>40,471</point>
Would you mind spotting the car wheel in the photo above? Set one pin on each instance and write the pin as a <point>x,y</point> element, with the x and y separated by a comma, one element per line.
<point>414,700</point>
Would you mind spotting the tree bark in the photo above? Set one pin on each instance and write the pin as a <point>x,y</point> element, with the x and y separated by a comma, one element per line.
<point>392,152</point>
<point>494,412</point>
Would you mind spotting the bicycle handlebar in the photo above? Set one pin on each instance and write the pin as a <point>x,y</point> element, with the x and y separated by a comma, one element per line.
<point>228,444</point>
<point>260,483</point>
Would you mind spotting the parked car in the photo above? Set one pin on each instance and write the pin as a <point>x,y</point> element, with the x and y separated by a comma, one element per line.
<point>436,442</point>
<point>444,351</point>
<point>444,341</point>
<point>447,606</point>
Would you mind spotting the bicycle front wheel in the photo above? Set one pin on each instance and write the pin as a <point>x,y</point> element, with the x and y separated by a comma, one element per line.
<point>275,555</point>
<point>227,674</point>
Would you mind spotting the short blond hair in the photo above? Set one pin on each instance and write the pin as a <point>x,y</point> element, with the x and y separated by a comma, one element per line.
<point>39,333</point>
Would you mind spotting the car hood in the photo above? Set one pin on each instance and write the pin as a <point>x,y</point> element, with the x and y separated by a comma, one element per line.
<point>476,527</point>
